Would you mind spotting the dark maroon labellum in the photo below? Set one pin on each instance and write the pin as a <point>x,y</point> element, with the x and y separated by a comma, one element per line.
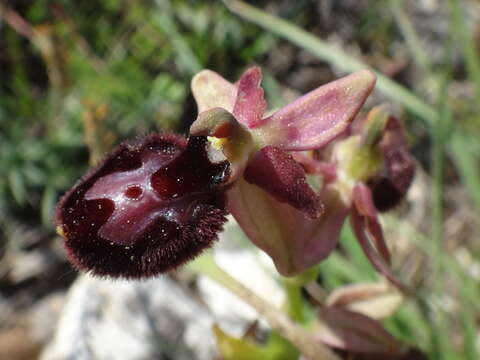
<point>147,208</point>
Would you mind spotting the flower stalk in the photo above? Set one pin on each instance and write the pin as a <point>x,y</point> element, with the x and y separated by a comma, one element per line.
<point>303,340</point>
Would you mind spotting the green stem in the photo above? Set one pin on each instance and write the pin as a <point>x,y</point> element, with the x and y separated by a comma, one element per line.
<point>306,344</point>
<point>294,301</point>
<point>472,58</point>
<point>414,44</point>
<point>295,305</point>
<point>466,163</point>
<point>411,38</point>
<point>437,161</point>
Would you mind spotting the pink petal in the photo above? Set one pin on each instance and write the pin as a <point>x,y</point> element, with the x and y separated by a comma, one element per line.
<point>211,90</point>
<point>359,228</point>
<point>294,241</point>
<point>250,103</point>
<point>362,197</point>
<point>316,118</point>
<point>276,172</point>
<point>355,332</point>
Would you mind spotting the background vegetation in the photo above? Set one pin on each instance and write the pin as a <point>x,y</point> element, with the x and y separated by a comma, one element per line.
<point>79,77</point>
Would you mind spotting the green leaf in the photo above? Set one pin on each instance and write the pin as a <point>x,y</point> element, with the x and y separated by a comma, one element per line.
<point>47,206</point>
<point>17,186</point>
<point>231,348</point>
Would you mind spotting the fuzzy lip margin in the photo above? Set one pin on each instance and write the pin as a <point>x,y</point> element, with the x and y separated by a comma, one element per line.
<point>150,254</point>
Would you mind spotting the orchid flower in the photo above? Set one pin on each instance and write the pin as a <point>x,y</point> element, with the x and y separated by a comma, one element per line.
<point>155,203</point>
<point>272,201</point>
<point>367,172</point>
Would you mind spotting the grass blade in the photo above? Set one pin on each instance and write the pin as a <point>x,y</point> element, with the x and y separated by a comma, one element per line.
<point>332,55</point>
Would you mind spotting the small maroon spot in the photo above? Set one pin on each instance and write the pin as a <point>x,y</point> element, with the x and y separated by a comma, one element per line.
<point>133,192</point>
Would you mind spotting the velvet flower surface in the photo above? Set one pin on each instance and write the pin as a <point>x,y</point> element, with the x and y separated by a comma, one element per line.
<point>145,209</point>
<point>157,202</point>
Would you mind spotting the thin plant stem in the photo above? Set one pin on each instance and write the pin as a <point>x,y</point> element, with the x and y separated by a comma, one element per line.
<point>187,59</point>
<point>294,305</point>
<point>437,161</point>
<point>303,340</point>
<point>293,286</point>
<point>472,57</point>
<point>412,40</point>
<point>466,163</point>
<point>414,44</point>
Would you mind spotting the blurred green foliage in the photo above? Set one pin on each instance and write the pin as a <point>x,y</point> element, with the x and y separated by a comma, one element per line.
<point>94,73</point>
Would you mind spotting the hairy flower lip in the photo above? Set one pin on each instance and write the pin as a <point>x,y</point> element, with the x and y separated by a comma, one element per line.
<point>163,242</point>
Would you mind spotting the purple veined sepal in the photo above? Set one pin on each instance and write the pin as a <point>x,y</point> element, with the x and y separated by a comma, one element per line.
<point>310,122</point>
<point>356,333</point>
<point>365,208</point>
<point>317,118</point>
<point>149,207</point>
<point>244,99</point>
<point>250,104</point>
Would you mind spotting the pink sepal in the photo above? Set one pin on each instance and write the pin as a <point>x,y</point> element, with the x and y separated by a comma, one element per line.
<point>318,117</point>
<point>250,103</point>
<point>359,227</point>
<point>363,202</point>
